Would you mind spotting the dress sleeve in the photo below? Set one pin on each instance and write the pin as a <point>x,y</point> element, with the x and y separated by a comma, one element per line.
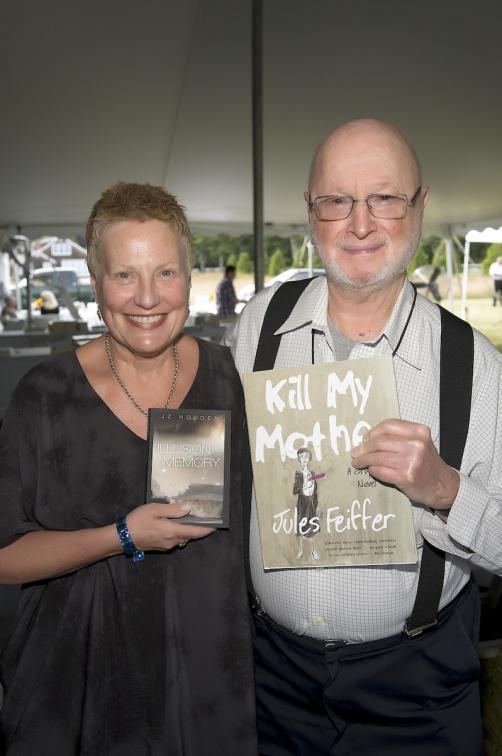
<point>18,470</point>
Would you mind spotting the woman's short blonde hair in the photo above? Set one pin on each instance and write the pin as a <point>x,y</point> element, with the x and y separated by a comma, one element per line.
<point>139,202</point>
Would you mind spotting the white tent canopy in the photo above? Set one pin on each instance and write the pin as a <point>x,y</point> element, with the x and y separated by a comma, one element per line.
<point>487,236</point>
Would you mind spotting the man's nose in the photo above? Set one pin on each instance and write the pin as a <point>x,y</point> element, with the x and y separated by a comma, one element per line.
<point>360,221</point>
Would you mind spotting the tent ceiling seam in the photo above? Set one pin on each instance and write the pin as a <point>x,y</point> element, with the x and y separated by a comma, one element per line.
<point>181,93</point>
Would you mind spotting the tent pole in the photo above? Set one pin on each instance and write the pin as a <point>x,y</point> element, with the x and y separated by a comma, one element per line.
<point>257,116</point>
<point>448,243</point>
<point>464,280</point>
<point>310,249</point>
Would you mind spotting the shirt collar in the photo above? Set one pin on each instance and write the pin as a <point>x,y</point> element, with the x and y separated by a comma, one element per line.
<point>409,348</point>
<point>312,310</point>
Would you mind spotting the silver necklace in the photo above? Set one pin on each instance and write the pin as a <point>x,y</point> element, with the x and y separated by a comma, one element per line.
<point>124,387</point>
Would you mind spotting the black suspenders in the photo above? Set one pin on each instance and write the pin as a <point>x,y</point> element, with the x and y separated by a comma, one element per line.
<point>283,302</point>
<point>455,390</point>
<point>456,366</point>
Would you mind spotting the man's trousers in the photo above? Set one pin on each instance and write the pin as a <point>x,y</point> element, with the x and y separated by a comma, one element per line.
<point>393,697</point>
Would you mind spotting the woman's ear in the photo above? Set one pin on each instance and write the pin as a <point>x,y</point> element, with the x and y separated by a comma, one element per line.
<point>94,287</point>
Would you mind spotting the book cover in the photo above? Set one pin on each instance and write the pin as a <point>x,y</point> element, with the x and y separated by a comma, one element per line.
<point>189,461</point>
<point>314,508</point>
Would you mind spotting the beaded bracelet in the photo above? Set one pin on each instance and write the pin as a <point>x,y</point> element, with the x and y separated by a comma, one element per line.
<point>126,541</point>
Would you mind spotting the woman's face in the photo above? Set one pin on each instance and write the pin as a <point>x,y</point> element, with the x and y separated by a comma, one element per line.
<point>142,289</point>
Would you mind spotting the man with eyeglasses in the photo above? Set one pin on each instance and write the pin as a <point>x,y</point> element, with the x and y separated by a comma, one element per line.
<point>382,661</point>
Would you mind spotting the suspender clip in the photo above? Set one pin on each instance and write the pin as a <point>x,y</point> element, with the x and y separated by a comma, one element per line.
<point>413,632</point>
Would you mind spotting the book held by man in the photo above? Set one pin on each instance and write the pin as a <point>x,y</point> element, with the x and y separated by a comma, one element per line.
<point>189,462</point>
<point>314,508</point>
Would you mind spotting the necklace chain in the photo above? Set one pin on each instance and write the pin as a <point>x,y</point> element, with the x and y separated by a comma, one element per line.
<point>124,387</point>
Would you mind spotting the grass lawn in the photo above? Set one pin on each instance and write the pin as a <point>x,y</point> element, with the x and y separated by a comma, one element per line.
<point>480,311</point>
<point>484,316</point>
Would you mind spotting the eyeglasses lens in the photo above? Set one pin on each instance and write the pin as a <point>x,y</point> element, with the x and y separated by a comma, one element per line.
<point>380,206</point>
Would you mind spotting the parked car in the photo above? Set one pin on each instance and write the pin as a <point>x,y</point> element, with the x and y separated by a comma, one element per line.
<point>79,288</point>
<point>291,274</point>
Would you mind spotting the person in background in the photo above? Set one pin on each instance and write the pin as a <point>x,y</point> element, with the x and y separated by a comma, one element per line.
<point>132,635</point>
<point>9,310</point>
<point>226,298</point>
<point>49,305</point>
<point>340,666</point>
<point>495,271</point>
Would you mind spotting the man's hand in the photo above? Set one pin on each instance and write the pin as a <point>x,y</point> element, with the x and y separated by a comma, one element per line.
<point>403,454</point>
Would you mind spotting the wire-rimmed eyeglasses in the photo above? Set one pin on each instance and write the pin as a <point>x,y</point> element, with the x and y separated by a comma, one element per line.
<point>338,207</point>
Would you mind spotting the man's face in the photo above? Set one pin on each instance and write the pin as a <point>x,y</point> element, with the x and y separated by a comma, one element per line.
<point>363,252</point>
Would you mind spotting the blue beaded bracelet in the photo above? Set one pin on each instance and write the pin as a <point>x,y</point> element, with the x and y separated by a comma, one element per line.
<point>126,541</point>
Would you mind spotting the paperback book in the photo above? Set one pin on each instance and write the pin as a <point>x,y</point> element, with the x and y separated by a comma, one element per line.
<point>189,462</point>
<point>314,508</point>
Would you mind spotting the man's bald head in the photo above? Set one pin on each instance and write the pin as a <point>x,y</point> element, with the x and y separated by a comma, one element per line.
<point>361,132</point>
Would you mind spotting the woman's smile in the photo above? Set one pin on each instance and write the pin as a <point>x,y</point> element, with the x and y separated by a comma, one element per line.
<point>147,319</point>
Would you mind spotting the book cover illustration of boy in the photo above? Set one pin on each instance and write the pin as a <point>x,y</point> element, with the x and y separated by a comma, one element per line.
<point>307,504</point>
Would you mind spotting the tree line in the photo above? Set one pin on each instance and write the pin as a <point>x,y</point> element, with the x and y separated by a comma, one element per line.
<point>290,252</point>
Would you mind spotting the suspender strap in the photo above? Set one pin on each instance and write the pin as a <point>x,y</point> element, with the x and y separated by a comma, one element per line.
<point>279,308</point>
<point>456,368</point>
<point>457,363</point>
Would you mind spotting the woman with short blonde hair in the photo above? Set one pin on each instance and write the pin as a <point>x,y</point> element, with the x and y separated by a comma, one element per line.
<point>132,635</point>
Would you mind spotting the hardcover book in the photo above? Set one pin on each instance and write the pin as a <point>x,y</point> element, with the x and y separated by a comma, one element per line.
<point>314,508</point>
<point>189,461</point>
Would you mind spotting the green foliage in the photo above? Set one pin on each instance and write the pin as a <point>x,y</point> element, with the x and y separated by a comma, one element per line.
<point>492,253</point>
<point>477,252</point>
<point>430,245</point>
<point>277,263</point>
<point>432,251</point>
<point>421,258</point>
<point>316,261</point>
<point>215,251</point>
<point>271,245</point>
<point>425,253</point>
<point>244,264</point>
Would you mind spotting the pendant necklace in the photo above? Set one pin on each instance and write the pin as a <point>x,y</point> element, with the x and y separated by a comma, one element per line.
<point>124,387</point>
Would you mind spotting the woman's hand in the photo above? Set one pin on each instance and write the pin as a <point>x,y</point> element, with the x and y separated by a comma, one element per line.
<point>158,527</point>
<point>43,554</point>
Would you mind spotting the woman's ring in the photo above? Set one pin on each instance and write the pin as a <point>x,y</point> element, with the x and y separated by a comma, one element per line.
<point>182,544</point>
